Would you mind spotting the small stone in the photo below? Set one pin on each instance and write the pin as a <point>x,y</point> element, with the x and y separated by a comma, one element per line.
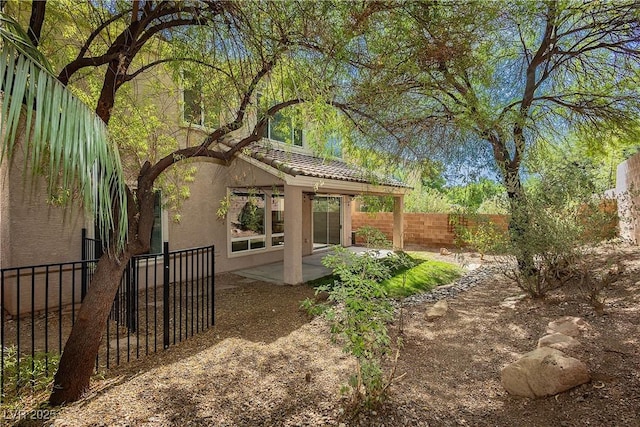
<point>511,302</point>
<point>558,341</point>
<point>438,310</point>
<point>571,326</point>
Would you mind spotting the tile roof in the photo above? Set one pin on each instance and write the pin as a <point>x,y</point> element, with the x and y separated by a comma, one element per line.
<point>298,164</point>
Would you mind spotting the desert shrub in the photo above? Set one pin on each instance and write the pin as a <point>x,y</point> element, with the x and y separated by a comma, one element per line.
<point>590,283</point>
<point>28,375</point>
<point>545,247</point>
<point>373,237</point>
<point>553,223</point>
<point>359,314</point>
<point>483,235</point>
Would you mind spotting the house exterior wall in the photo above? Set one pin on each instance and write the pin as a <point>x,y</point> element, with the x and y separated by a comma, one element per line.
<point>34,232</point>
<point>200,225</point>
<point>628,197</point>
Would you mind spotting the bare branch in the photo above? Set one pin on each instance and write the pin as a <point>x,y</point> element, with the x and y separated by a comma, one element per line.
<point>146,67</point>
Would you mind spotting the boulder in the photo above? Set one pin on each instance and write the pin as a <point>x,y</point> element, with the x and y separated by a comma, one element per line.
<point>438,310</point>
<point>558,341</point>
<point>571,326</point>
<point>543,372</point>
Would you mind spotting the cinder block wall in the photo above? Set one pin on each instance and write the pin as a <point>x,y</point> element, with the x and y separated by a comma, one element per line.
<point>420,229</point>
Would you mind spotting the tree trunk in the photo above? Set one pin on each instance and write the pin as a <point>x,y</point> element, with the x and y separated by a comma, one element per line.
<point>79,356</point>
<point>519,223</point>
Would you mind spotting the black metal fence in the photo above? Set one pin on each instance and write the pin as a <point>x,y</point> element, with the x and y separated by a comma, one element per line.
<point>162,299</point>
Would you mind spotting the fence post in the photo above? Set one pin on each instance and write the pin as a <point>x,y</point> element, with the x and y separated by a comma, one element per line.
<point>165,294</point>
<point>131,296</point>
<point>213,284</point>
<point>83,280</point>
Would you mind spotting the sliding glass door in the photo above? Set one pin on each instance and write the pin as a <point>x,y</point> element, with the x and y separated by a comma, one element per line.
<point>327,224</point>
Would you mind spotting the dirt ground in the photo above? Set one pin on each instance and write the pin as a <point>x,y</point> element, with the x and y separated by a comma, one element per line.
<point>266,364</point>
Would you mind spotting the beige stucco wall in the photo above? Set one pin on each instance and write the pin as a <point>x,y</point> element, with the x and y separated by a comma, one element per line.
<point>199,224</point>
<point>34,232</point>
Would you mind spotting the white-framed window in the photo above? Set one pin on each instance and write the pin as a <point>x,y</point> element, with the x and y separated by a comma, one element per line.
<point>247,220</point>
<point>282,129</point>
<point>197,109</point>
<point>277,220</point>
<point>255,220</point>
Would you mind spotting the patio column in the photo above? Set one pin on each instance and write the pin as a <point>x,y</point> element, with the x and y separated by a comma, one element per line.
<point>346,221</point>
<point>292,235</point>
<point>398,222</point>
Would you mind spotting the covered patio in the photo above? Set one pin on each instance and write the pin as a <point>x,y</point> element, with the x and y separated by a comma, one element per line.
<point>312,268</point>
<point>317,203</point>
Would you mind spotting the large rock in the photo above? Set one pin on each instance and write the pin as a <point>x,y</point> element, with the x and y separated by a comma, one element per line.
<point>438,310</point>
<point>543,372</point>
<point>571,326</point>
<point>558,341</point>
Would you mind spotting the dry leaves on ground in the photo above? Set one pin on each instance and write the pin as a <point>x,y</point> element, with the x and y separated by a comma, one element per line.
<point>239,374</point>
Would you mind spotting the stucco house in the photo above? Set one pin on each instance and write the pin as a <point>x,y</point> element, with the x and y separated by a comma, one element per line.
<point>276,202</point>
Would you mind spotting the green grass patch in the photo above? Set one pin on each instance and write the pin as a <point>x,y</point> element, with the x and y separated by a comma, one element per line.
<point>424,276</point>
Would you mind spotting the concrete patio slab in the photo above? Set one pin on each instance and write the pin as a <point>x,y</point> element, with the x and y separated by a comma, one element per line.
<point>312,269</point>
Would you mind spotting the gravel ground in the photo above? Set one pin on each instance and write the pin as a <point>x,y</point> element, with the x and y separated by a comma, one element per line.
<point>266,364</point>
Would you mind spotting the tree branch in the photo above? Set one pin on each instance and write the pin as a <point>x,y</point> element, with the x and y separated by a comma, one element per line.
<point>144,68</point>
<point>38,10</point>
<point>69,69</point>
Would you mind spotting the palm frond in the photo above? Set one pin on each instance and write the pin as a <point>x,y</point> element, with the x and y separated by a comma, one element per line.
<point>11,31</point>
<point>63,139</point>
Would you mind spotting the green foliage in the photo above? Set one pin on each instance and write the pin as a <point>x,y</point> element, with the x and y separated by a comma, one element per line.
<point>483,196</point>
<point>312,307</point>
<point>483,235</point>
<point>471,196</point>
<point>421,274</point>
<point>359,318</point>
<point>376,203</point>
<point>29,375</point>
<point>426,199</point>
<point>493,80</point>
<point>373,237</point>
<point>63,139</point>
<point>494,205</point>
<point>554,224</point>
